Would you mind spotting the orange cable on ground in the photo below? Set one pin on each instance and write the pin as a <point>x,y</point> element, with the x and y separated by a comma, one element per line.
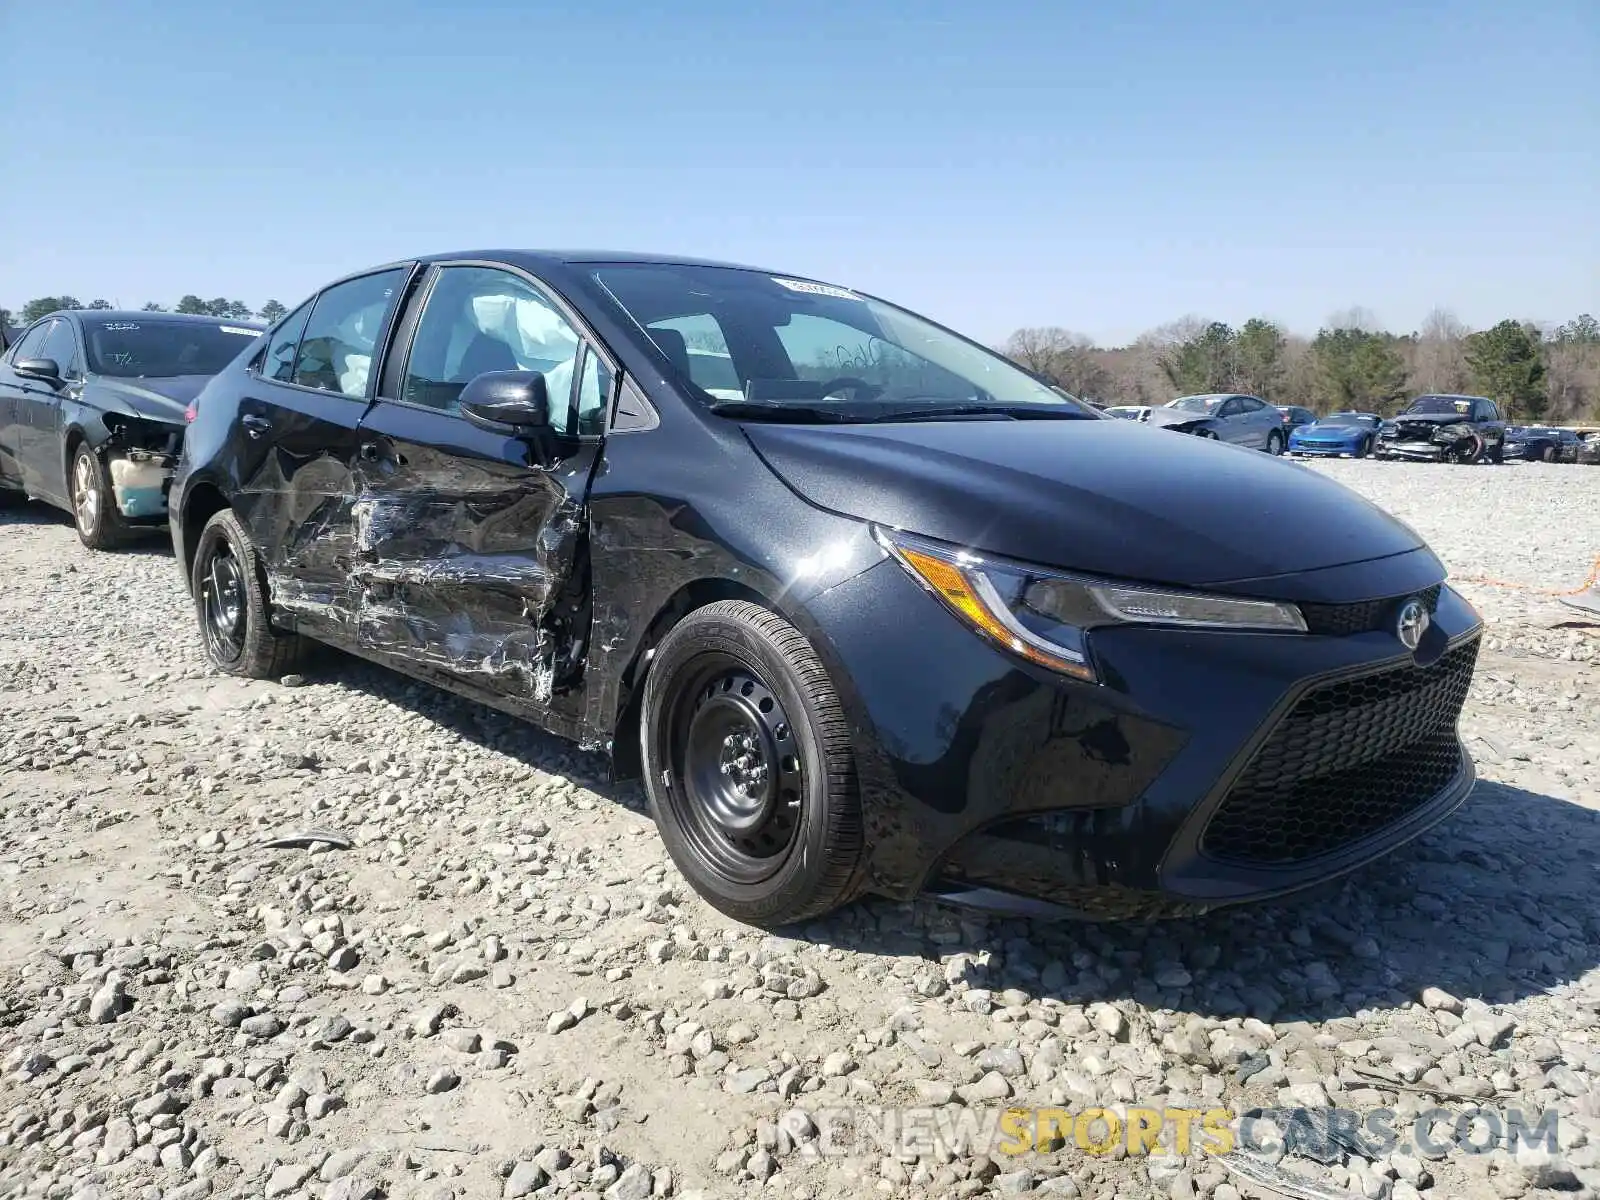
<point>1591,582</point>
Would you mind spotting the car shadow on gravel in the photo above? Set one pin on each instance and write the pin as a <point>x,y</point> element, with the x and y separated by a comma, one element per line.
<point>1497,903</point>
<point>16,511</point>
<point>477,723</point>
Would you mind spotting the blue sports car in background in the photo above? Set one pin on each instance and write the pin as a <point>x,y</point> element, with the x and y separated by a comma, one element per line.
<point>1337,433</point>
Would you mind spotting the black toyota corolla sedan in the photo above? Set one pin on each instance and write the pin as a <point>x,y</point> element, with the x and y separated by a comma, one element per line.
<point>92,411</point>
<point>868,607</point>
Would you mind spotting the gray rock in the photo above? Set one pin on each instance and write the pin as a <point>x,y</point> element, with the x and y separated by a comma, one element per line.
<point>634,1183</point>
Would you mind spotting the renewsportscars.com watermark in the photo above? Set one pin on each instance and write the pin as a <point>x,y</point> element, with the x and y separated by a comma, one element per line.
<point>1321,1133</point>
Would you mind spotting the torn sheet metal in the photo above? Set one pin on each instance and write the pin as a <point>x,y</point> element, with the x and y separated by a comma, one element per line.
<point>1271,1175</point>
<point>305,839</point>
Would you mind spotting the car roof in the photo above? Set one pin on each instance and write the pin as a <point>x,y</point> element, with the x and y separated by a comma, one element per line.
<point>534,259</point>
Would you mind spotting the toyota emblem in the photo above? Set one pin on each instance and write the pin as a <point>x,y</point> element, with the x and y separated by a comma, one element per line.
<point>1412,623</point>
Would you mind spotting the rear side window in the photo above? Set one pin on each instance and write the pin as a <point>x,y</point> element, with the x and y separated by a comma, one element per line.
<point>341,335</point>
<point>279,361</point>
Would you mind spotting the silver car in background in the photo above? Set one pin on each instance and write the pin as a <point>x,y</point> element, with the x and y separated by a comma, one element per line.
<point>1226,416</point>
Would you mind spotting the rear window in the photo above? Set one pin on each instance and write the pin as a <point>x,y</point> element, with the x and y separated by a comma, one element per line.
<point>136,349</point>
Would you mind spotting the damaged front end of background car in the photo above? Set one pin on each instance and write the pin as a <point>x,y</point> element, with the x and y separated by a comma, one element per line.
<point>1453,429</point>
<point>140,455</point>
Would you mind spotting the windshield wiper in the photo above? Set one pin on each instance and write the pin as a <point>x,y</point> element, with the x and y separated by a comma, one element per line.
<point>1017,412</point>
<point>760,410</point>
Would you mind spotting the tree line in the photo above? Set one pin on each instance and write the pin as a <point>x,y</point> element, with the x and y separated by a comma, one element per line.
<point>235,310</point>
<point>1536,374</point>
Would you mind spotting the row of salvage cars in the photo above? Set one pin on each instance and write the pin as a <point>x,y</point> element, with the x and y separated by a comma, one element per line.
<point>864,605</point>
<point>1433,428</point>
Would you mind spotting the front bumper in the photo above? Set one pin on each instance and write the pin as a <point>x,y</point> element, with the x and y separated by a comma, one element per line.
<point>1210,768</point>
<point>1331,449</point>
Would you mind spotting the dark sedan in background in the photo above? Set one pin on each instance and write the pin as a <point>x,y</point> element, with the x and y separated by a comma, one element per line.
<point>882,612</point>
<point>1352,433</point>
<point>1537,443</point>
<point>92,411</point>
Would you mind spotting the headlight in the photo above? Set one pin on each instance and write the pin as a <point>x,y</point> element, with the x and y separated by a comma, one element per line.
<point>1044,615</point>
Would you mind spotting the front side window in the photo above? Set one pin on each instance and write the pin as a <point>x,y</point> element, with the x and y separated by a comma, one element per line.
<point>162,349</point>
<point>285,341</point>
<point>736,336</point>
<point>341,334</point>
<point>481,319</point>
<point>62,348</point>
<point>28,344</point>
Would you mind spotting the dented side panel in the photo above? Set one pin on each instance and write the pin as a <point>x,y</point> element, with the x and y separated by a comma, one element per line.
<point>295,500</point>
<point>466,546</point>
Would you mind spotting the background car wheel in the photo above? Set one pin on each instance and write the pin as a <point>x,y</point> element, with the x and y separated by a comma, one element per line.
<point>1274,442</point>
<point>230,599</point>
<point>1205,433</point>
<point>749,767</point>
<point>94,506</point>
<point>1548,454</point>
<point>1364,447</point>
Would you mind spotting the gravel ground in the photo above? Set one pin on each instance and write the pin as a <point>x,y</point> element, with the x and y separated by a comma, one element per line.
<point>503,988</point>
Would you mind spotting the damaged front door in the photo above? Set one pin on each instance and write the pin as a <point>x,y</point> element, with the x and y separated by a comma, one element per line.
<point>470,542</point>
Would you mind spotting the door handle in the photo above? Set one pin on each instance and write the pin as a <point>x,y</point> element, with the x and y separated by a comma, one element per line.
<point>367,451</point>
<point>255,425</point>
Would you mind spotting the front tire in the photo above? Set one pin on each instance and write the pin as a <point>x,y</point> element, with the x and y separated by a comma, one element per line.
<point>1363,448</point>
<point>231,604</point>
<point>94,506</point>
<point>749,767</point>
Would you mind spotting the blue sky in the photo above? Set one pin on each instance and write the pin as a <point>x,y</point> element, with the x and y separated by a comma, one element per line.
<point>1106,167</point>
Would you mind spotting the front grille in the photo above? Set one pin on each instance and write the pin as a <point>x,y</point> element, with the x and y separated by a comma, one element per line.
<point>1341,620</point>
<point>1350,758</point>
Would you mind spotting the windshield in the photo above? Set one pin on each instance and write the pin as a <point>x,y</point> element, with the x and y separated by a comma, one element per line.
<point>155,349</point>
<point>1198,404</point>
<point>1441,405</point>
<point>1365,420</point>
<point>750,338</point>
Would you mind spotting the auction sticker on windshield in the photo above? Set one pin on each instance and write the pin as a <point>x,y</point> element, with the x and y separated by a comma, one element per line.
<point>816,289</point>
<point>240,329</point>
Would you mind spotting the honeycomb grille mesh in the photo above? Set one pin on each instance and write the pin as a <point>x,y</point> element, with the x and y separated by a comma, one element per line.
<point>1350,758</point>
<point>1341,620</point>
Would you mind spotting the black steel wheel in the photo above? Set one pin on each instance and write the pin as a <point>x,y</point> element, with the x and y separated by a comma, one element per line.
<point>231,604</point>
<point>735,754</point>
<point>749,767</point>
<point>223,608</point>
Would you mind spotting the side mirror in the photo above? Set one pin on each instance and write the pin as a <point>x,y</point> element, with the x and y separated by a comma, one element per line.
<point>515,402</point>
<point>45,369</point>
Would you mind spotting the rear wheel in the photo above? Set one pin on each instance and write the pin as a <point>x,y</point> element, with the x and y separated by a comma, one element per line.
<point>1275,441</point>
<point>94,506</point>
<point>749,767</point>
<point>231,604</point>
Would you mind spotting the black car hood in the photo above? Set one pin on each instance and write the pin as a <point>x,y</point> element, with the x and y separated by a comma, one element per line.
<point>159,399</point>
<point>1432,419</point>
<point>1104,497</point>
